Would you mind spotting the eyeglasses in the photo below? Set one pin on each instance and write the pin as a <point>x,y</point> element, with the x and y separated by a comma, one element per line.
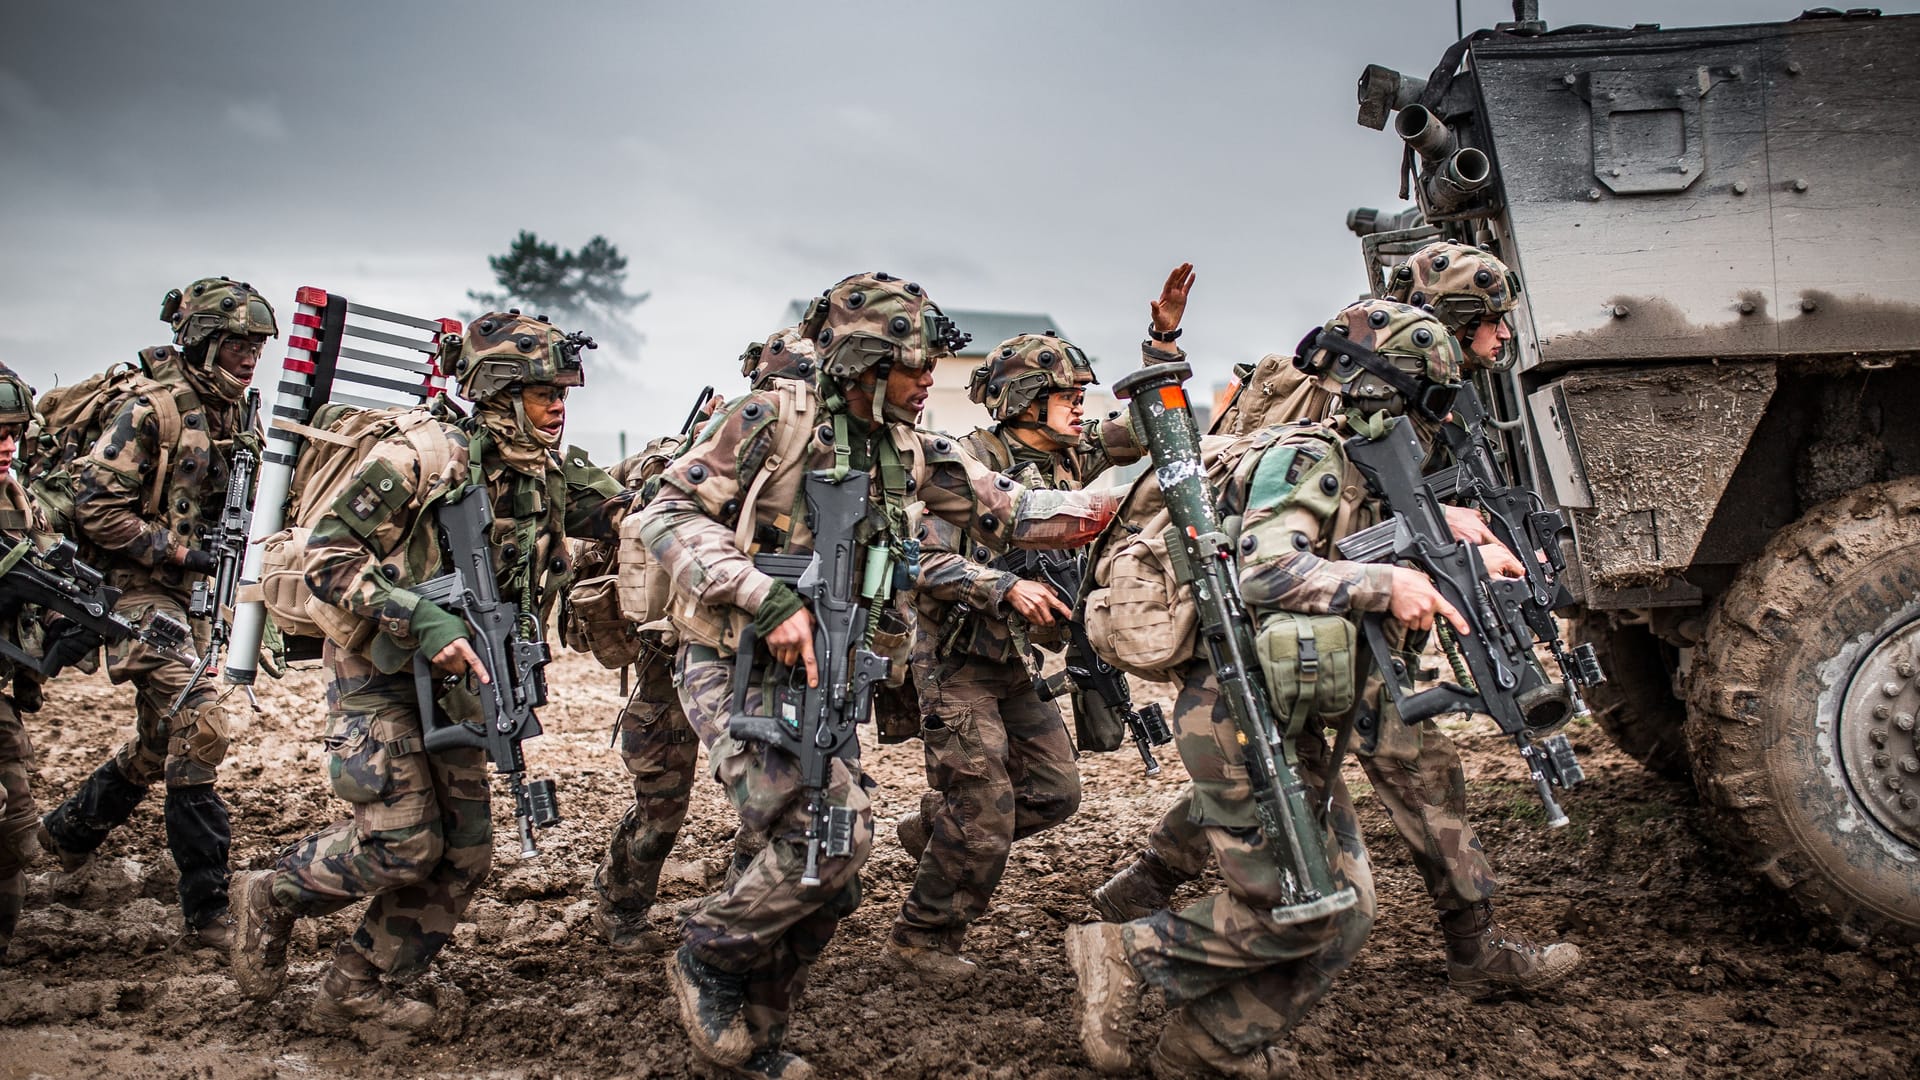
<point>1071,397</point>
<point>243,346</point>
<point>12,432</point>
<point>543,395</point>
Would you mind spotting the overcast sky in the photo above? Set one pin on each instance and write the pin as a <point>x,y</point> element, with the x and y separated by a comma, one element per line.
<point>1057,157</point>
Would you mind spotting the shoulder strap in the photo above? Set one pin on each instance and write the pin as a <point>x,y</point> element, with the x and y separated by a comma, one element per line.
<point>790,439</point>
<point>166,418</point>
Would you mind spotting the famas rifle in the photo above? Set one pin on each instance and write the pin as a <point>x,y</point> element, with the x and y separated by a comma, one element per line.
<point>56,581</point>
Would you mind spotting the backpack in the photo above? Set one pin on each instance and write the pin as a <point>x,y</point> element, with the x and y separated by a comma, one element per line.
<point>336,444</point>
<point>1272,391</point>
<point>74,417</point>
<point>591,619</point>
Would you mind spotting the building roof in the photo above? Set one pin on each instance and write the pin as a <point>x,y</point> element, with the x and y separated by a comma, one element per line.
<point>989,328</point>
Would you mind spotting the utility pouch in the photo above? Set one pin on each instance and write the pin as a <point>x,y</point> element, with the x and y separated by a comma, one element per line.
<point>1309,662</point>
<point>1096,726</point>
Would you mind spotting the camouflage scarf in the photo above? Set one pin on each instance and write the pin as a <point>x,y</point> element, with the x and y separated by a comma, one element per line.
<point>522,446</point>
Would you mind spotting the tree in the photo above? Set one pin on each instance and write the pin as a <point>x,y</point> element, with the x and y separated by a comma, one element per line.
<point>580,290</point>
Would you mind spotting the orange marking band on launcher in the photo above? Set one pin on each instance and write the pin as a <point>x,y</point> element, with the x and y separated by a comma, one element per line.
<point>1173,397</point>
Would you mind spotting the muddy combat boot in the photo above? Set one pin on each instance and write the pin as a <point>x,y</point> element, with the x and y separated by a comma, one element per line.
<point>352,993</point>
<point>1141,888</point>
<point>80,825</point>
<point>261,929</point>
<point>628,930</point>
<point>1185,1049</point>
<point>1104,1000</point>
<point>766,1065</point>
<point>937,962</point>
<point>1484,959</point>
<point>711,1003</point>
<point>216,934</point>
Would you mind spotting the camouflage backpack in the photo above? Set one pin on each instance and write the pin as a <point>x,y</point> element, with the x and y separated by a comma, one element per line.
<point>591,619</point>
<point>72,419</point>
<point>336,443</point>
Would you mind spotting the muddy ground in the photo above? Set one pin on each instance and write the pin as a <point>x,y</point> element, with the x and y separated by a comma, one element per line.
<point>1691,968</point>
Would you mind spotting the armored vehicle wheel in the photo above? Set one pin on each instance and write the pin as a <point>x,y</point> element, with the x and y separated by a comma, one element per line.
<point>1802,712</point>
<point>1636,706</point>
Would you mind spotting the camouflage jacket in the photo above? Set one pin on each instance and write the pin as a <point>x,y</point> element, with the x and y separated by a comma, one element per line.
<point>1297,498</point>
<point>112,483</point>
<point>960,595</point>
<point>692,526</point>
<point>20,521</point>
<point>375,540</point>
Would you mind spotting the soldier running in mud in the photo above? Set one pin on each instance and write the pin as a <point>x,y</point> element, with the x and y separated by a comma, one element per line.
<point>999,761</point>
<point>420,838</point>
<point>656,744</point>
<point>877,338</point>
<point>1416,772</point>
<point>20,521</point>
<point>1237,976</point>
<point>144,532</point>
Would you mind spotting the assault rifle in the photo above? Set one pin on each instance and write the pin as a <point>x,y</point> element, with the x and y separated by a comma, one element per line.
<point>213,597</point>
<point>1528,528</point>
<point>507,641</point>
<point>1495,669</point>
<point>841,582</point>
<point>1063,571</point>
<point>57,581</point>
<point>1205,563</point>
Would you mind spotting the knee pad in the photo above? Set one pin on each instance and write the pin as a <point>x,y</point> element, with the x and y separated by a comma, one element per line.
<point>205,736</point>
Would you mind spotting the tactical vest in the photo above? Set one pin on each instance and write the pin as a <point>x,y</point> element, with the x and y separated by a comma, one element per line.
<point>188,500</point>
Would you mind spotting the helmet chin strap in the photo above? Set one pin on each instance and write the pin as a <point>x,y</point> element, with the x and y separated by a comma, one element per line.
<point>1412,389</point>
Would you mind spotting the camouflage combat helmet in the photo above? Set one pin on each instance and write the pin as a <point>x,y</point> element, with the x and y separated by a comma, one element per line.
<point>869,320</point>
<point>503,349</point>
<point>1383,355</point>
<point>1022,369</point>
<point>785,355</point>
<point>1460,284</point>
<point>217,306</point>
<point>16,398</point>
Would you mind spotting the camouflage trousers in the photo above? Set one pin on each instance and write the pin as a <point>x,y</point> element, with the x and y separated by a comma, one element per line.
<point>1001,768</point>
<point>661,753</point>
<point>1417,775</point>
<point>19,819</point>
<point>420,838</point>
<point>1242,975</point>
<point>767,925</point>
<point>187,750</point>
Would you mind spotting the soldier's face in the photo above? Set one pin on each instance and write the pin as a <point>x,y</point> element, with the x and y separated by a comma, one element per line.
<point>1488,338</point>
<point>1065,408</point>
<point>546,407</point>
<point>238,355</point>
<point>9,445</point>
<point>907,390</point>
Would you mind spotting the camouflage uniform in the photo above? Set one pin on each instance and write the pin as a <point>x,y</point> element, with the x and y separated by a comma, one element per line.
<point>420,838</point>
<point>141,552</point>
<point>734,975</point>
<point>999,759</point>
<point>656,744</point>
<point>20,520</point>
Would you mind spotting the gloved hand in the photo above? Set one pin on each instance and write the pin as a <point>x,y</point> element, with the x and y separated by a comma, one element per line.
<point>196,561</point>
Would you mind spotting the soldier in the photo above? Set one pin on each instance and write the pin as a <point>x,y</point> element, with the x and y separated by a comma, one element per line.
<point>1237,976</point>
<point>877,338</point>
<point>20,520</point>
<point>144,531</point>
<point>657,745</point>
<point>999,760</point>
<point>1415,772</point>
<point>420,838</point>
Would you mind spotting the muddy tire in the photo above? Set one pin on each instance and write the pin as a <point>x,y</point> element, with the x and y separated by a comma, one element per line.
<point>1636,706</point>
<point>1801,713</point>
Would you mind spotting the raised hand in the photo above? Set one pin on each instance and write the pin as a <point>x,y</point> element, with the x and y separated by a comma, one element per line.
<point>1172,304</point>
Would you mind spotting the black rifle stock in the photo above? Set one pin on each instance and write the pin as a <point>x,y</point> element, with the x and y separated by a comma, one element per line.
<point>213,597</point>
<point>1498,654</point>
<point>1210,570</point>
<point>1532,531</point>
<point>56,580</point>
<point>839,581</point>
<point>1063,571</point>
<point>509,646</point>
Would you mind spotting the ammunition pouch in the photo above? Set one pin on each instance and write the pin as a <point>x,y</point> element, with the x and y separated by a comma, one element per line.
<point>592,621</point>
<point>1311,665</point>
<point>1096,726</point>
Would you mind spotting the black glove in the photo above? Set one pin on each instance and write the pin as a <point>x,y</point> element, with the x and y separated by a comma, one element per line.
<point>196,561</point>
<point>73,644</point>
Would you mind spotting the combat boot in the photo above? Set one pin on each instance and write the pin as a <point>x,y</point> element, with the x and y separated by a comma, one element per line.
<point>768,1065</point>
<point>216,934</point>
<point>70,861</point>
<point>1484,959</point>
<point>933,961</point>
<point>1141,888</point>
<point>1185,1049</point>
<point>712,1002</point>
<point>261,929</point>
<point>1108,989</point>
<point>352,993</point>
<point>628,930</point>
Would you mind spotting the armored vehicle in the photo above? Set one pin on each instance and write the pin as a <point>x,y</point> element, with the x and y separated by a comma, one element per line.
<point>1716,373</point>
